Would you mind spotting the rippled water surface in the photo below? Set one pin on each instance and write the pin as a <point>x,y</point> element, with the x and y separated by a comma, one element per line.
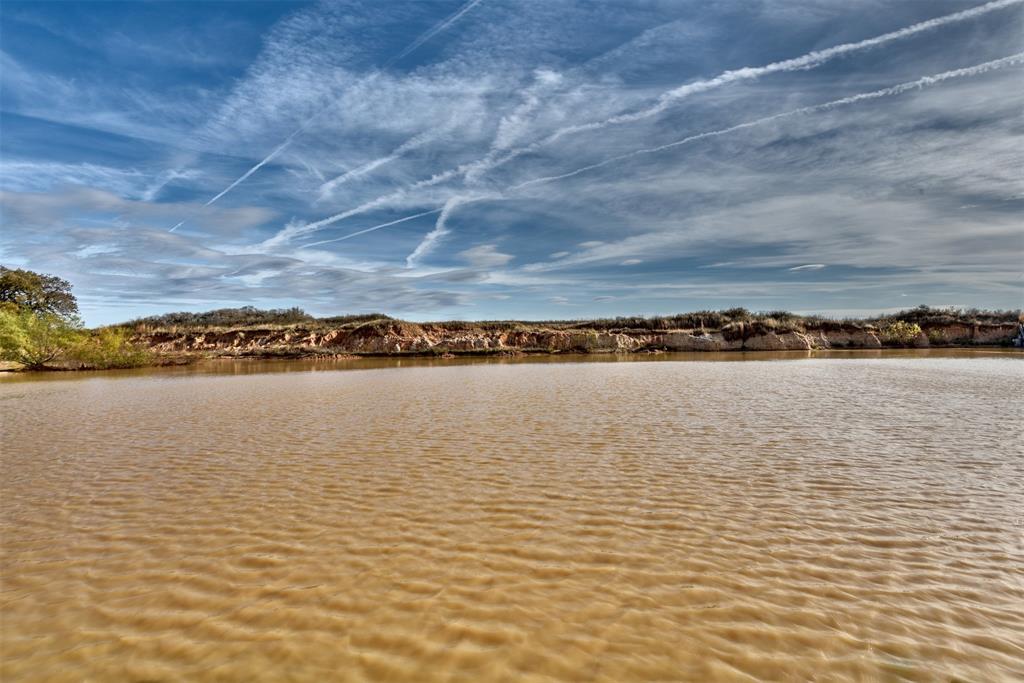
<point>829,519</point>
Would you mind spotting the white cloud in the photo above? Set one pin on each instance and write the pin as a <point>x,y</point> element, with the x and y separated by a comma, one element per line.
<point>485,256</point>
<point>585,108</point>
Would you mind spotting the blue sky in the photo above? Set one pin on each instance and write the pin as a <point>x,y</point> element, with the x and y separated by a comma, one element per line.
<point>491,159</point>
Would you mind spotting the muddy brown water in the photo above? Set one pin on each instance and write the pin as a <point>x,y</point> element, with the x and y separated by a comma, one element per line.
<point>733,517</point>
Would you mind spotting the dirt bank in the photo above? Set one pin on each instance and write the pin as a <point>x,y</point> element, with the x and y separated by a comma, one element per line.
<point>394,337</point>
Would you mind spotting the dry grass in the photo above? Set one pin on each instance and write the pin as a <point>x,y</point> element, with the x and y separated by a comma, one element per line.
<point>733,321</point>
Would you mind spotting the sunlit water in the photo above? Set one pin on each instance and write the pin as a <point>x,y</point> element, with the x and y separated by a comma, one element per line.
<point>835,518</point>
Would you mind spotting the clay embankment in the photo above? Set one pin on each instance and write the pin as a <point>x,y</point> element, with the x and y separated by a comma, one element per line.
<point>393,337</point>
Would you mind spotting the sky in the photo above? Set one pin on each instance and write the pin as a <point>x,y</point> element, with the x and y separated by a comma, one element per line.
<point>529,159</point>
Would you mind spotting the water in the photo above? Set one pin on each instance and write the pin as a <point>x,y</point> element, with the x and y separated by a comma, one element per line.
<point>856,517</point>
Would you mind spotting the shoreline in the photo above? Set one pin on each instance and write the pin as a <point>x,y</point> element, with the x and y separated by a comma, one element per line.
<point>184,339</point>
<point>204,363</point>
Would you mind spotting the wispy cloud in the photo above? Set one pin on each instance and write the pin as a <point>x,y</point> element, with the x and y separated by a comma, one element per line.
<point>439,231</point>
<point>327,188</point>
<point>923,82</point>
<point>485,256</point>
<point>438,28</point>
<point>618,154</point>
<point>671,97</point>
<point>667,99</point>
<point>373,228</point>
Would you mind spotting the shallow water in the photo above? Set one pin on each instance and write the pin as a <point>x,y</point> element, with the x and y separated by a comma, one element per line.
<point>841,517</point>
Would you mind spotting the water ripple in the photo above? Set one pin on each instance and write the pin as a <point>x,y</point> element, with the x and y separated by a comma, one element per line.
<point>854,519</point>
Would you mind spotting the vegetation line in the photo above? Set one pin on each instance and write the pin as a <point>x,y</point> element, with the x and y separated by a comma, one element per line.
<point>40,329</point>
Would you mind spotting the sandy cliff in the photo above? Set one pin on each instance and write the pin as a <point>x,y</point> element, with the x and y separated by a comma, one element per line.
<point>393,337</point>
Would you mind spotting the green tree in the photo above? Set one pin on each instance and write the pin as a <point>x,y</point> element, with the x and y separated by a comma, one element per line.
<point>22,290</point>
<point>110,347</point>
<point>37,339</point>
<point>901,332</point>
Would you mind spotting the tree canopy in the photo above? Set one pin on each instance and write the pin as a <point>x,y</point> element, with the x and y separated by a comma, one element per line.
<point>36,339</point>
<point>24,290</point>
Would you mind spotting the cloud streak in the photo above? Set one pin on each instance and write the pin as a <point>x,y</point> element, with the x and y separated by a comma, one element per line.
<point>372,228</point>
<point>899,184</point>
<point>266,160</point>
<point>810,60</point>
<point>327,188</point>
<point>667,99</point>
<point>439,231</point>
<point>445,23</point>
<point>923,82</point>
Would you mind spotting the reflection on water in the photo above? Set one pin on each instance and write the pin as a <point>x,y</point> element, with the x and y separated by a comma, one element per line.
<point>251,366</point>
<point>844,517</point>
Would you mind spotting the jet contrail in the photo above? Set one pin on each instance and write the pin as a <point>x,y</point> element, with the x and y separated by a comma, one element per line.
<point>807,61</point>
<point>290,232</point>
<point>277,150</point>
<point>371,229</point>
<point>925,81</point>
<point>439,231</point>
<point>280,148</point>
<point>328,188</point>
<point>884,92</point>
<point>444,24</point>
<point>417,141</point>
<point>414,45</point>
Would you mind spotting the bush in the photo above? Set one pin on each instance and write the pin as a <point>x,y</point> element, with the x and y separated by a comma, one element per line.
<point>901,332</point>
<point>944,316</point>
<point>37,339</point>
<point>351,320</point>
<point>225,317</point>
<point>110,347</point>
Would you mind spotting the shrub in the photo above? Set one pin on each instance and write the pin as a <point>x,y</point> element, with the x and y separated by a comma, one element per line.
<point>940,316</point>
<point>111,347</point>
<point>37,339</point>
<point>352,320</point>
<point>225,317</point>
<point>901,332</point>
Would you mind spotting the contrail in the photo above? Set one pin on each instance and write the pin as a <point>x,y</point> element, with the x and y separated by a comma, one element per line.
<point>884,92</point>
<point>328,188</point>
<point>807,61</point>
<point>506,135</point>
<point>513,125</point>
<point>922,82</point>
<point>804,62</point>
<point>414,45</point>
<point>371,229</point>
<point>292,231</point>
<point>277,150</point>
<point>280,148</point>
<point>439,231</point>
<point>444,24</point>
